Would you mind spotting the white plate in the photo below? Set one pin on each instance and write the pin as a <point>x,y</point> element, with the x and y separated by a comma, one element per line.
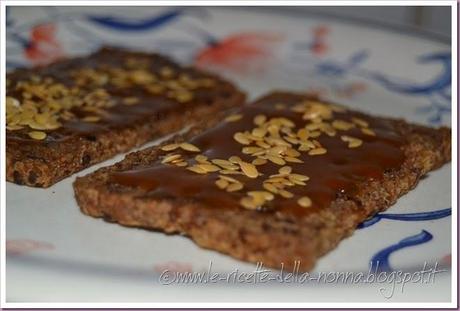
<point>55,253</point>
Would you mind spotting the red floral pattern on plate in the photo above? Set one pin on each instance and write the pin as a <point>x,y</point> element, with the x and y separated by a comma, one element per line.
<point>447,260</point>
<point>24,246</point>
<point>43,46</point>
<point>319,46</point>
<point>241,52</point>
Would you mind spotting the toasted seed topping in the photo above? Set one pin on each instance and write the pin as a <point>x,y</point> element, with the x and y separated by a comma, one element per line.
<point>260,119</point>
<point>270,187</point>
<point>233,117</point>
<point>299,177</point>
<point>234,187</point>
<point>181,163</point>
<point>37,135</point>
<point>241,138</point>
<point>251,150</point>
<point>229,179</point>
<point>368,131</point>
<point>91,119</point>
<point>183,96</point>
<point>197,169</point>
<point>352,141</point>
<point>259,161</point>
<point>276,159</point>
<point>235,159</point>
<point>280,106</point>
<point>230,172</point>
<point>304,201</point>
<point>221,162</point>
<point>14,127</point>
<point>259,132</point>
<point>46,103</point>
<point>292,152</point>
<point>261,195</point>
<point>130,100</point>
<point>285,194</point>
<point>360,122</point>
<point>222,183</point>
<point>317,151</point>
<point>189,147</point>
<point>170,147</point>
<point>249,169</point>
<point>342,125</point>
<point>293,160</point>
<point>249,203</point>
<point>201,158</point>
<point>208,167</point>
<point>167,72</point>
<point>170,158</point>
<point>285,170</point>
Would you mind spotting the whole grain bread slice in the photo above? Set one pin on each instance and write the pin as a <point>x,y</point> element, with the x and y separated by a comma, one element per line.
<point>69,115</point>
<point>275,232</point>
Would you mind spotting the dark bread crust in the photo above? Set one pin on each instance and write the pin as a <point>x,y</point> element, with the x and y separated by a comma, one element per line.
<point>43,163</point>
<point>255,236</point>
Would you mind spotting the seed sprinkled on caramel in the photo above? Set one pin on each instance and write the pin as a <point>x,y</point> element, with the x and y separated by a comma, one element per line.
<point>293,160</point>
<point>170,147</point>
<point>241,138</point>
<point>360,122</point>
<point>235,159</point>
<point>229,179</point>
<point>38,135</point>
<point>197,169</point>
<point>317,151</point>
<point>248,203</point>
<point>342,125</point>
<point>130,101</point>
<point>276,159</point>
<point>91,119</point>
<point>270,187</point>
<point>259,161</point>
<point>208,167</point>
<point>171,158</point>
<point>249,169</point>
<point>261,195</point>
<point>222,183</point>
<point>352,141</point>
<point>201,158</point>
<point>233,117</point>
<point>285,194</point>
<point>368,131</point>
<point>260,119</point>
<point>234,187</point>
<point>304,201</point>
<point>285,170</point>
<point>189,147</point>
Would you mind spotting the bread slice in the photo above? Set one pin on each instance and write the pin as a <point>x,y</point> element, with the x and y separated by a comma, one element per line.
<point>77,112</point>
<point>284,179</point>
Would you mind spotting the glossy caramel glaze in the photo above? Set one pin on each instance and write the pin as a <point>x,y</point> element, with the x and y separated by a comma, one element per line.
<point>109,63</point>
<point>331,175</point>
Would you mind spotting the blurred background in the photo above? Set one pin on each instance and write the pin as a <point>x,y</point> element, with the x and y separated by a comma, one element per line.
<point>433,19</point>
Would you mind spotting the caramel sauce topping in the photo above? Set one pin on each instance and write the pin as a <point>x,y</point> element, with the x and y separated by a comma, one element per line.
<point>293,157</point>
<point>109,89</point>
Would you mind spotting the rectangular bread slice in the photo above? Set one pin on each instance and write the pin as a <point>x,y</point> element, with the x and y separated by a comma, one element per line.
<point>74,113</point>
<point>281,180</point>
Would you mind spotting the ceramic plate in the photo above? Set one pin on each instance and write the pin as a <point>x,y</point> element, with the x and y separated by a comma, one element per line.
<point>55,253</point>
